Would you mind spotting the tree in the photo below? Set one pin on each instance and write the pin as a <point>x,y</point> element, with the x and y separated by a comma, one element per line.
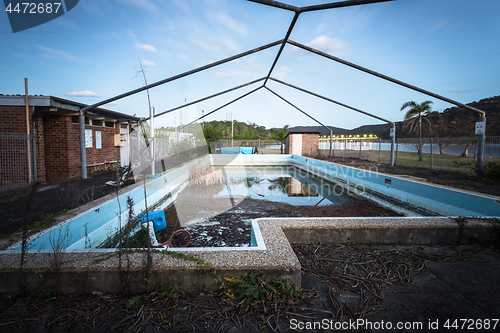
<point>279,134</point>
<point>211,134</point>
<point>413,117</point>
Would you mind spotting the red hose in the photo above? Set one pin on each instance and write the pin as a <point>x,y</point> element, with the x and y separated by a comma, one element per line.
<point>169,242</point>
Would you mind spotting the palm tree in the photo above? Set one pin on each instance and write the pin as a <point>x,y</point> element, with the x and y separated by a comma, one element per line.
<point>413,117</point>
<point>279,134</point>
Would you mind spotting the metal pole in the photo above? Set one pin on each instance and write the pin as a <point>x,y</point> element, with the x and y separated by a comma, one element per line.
<point>83,149</point>
<point>431,152</point>
<point>360,142</point>
<point>152,139</point>
<point>345,147</point>
<point>331,143</point>
<point>30,170</point>
<point>393,138</point>
<point>480,148</point>
<point>397,146</point>
<point>380,150</point>
<point>232,130</point>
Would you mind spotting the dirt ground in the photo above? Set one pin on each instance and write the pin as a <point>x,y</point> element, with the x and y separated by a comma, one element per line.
<point>172,310</point>
<point>340,283</point>
<point>232,228</point>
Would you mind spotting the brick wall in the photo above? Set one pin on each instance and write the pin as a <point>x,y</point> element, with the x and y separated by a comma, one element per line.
<point>310,144</point>
<point>13,165</point>
<point>102,157</point>
<point>13,119</point>
<point>62,149</point>
<point>57,147</point>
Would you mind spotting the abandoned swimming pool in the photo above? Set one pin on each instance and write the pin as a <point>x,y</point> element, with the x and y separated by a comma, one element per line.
<point>90,229</point>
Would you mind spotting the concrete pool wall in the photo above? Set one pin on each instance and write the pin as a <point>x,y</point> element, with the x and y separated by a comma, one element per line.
<point>85,270</point>
<point>440,200</point>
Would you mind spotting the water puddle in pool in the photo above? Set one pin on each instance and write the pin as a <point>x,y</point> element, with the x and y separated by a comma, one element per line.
<point>220,214</point>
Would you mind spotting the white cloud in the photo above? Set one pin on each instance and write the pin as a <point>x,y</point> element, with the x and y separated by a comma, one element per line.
<point>145,47</point>
<point>231,44</point>
<point>282,72</point>
<point>148,63</point>
<point>317,71</point>
<point>182,56</point>
<point>50,53</point>
<point>231,23</point>
<point>327,44</point>
<point>84,93</point>
<point>438,25</point>
<point>204,45</point>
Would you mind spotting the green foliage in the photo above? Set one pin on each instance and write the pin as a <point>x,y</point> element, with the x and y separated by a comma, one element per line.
<point>492,171</point>
<point>173,291</point>
<point>132,301</point>
<point>47,292</point>
<point>253,289</point>
<point>461,164</point>
<point>140,240</point>
<point>279,134</point>
<point>211,134</point>
<point>47,221</point>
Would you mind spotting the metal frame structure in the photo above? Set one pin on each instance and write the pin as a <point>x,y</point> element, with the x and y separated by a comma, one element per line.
<point>283,43</point>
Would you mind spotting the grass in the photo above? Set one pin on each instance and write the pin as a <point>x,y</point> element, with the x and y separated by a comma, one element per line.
<point>410,159</point>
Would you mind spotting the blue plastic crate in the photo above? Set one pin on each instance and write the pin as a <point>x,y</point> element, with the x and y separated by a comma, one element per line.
<point>158,218</point>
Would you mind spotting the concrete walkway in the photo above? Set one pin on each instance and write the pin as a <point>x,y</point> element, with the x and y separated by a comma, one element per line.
<point>449,291</point>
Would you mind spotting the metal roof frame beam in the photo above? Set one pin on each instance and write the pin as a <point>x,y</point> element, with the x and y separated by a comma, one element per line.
<point>290,28</point>
<point>206,98</point>
<point>219,108</point>
<point>308,115</point>
<point>393,136</point>
<point>332,101</point>
<point>339,4</point>
<point>330,5</point>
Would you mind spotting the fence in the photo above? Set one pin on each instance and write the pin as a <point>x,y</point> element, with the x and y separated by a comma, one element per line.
<point>437,153</point>
<point>14,169</point>
<point>261,145</point>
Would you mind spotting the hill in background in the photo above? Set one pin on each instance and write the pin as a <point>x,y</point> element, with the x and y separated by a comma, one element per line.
<point>452,122</point>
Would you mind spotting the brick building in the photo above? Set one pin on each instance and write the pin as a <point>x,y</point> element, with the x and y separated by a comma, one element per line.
<point>55,141</point>
<point>303,143</point>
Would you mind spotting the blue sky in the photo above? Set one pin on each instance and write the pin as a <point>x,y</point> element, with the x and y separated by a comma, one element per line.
<point>449,47</point>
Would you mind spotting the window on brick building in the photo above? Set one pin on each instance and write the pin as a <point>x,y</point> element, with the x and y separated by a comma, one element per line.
<point>96,122</point>
<point>109,124</point>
